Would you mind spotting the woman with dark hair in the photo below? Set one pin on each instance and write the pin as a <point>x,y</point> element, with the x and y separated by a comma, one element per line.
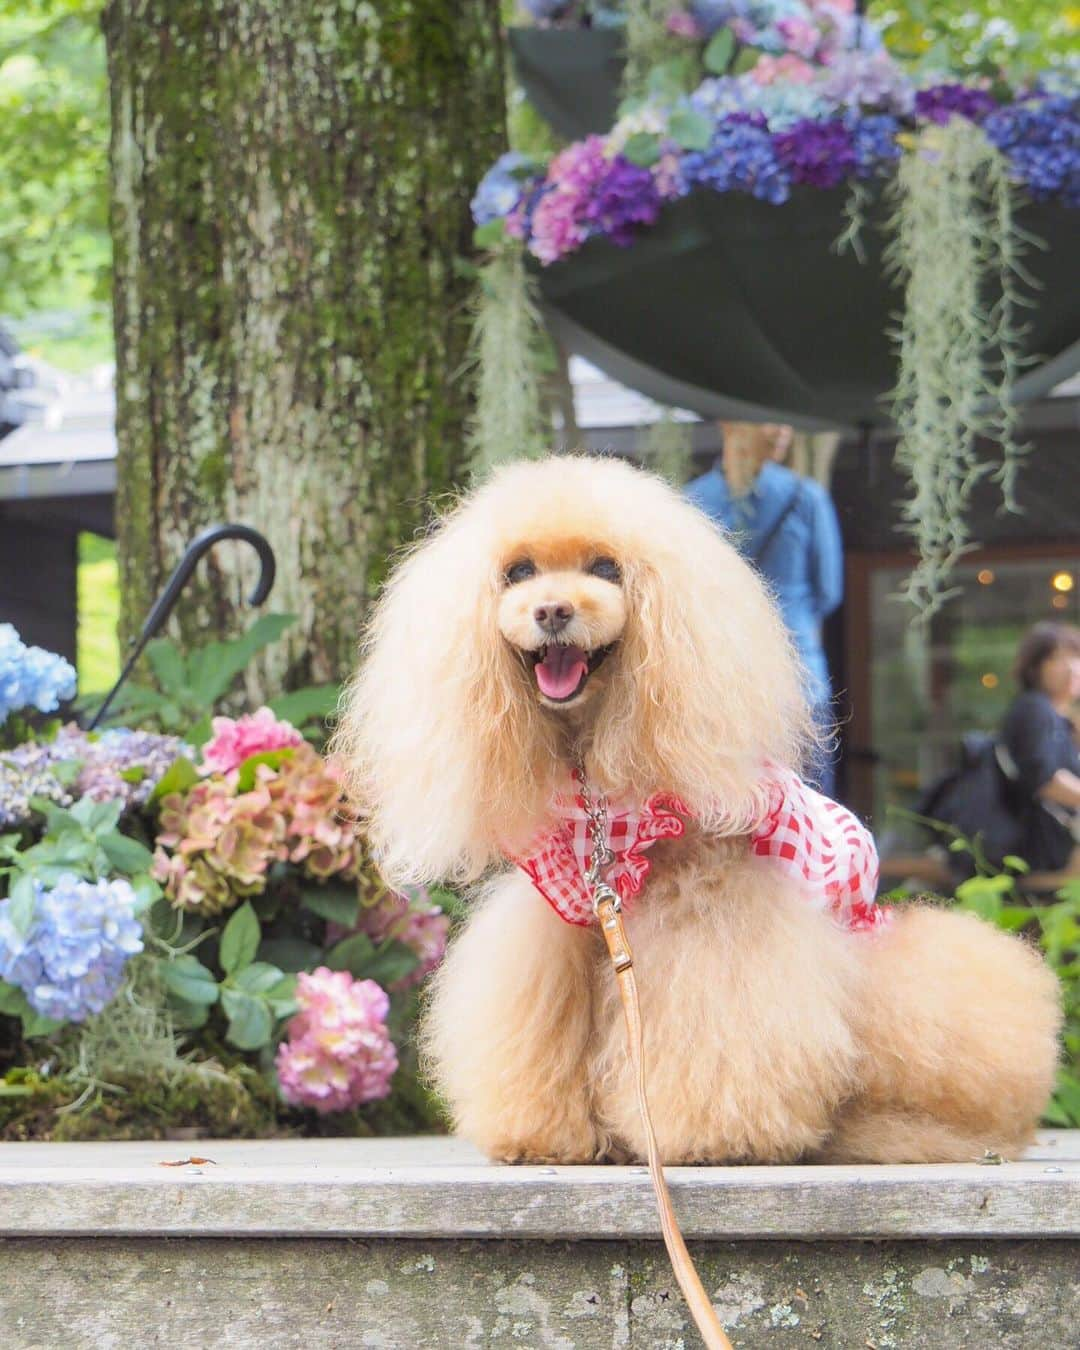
<point>1041,740</point>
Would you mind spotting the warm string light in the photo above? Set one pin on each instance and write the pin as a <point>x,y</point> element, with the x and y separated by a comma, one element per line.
<point>1062,581</point>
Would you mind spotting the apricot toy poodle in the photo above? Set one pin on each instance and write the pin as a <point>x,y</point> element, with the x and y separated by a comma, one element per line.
<point>576,624</point>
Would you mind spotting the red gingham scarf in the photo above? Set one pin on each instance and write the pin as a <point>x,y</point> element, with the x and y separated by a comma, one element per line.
<point>811,839</point>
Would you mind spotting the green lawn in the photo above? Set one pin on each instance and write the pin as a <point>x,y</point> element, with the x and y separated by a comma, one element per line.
<point>98,650</point>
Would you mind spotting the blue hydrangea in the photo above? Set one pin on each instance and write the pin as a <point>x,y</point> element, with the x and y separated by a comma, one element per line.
<point>1041,138</point>
<point>501,187</point>
<point>70,963</point>
<point>740,158</point>
<point>876,146</point>
<point>781,104</point>
<point>709,15</point>
<point>31,677</point>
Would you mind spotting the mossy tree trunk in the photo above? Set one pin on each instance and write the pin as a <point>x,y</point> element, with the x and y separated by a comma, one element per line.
<point>290,212</point>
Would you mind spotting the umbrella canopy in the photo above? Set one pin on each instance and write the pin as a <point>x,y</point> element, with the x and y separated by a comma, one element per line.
<point>740,308</point>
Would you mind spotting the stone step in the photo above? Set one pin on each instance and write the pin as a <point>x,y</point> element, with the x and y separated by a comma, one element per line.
<point>420,1242</point>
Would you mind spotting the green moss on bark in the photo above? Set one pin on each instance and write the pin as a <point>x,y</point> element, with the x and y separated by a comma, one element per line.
<point>290,205</point>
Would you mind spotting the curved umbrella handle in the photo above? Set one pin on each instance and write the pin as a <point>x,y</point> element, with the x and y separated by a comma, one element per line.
<point>166,601</point>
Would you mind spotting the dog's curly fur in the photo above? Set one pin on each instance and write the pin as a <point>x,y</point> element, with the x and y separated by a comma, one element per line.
<point>771,1034</point>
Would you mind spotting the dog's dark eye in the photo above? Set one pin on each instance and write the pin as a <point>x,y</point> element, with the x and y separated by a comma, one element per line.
<point>607,569</point>
<point>520,571</point>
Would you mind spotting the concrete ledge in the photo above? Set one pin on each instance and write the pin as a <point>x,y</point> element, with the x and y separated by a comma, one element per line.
<point>417,1244</point>
<point>439,1188</point>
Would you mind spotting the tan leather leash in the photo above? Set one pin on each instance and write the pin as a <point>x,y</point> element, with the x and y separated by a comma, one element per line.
<point>608,910</point>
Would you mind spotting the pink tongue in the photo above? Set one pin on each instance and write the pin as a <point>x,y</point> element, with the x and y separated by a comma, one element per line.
<point>560,672</point>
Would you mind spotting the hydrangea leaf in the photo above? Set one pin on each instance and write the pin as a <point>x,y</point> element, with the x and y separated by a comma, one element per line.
<point>126,855</point>
<point>290,953</point>
<point>392,961</point>
<point>692,130</point>
<point>239,940</point>
<point>258,978</point>
<point>671,78</point>
<point>12,1000</point>
<point>169,667</point>
<point>354,954</point>
<point>491,234</point>
<point>746,60</point>
<point>21,908</point>
<point>315,702</point>
<point>720,50</point>
<point>190,980</point>
<point>147,891</point>
<point>251,1023</point>
<point>97,817</point>
<point>643,149</point>
<point>181,775</point>
<point>245,779</point>
<point>35,1024</point>
<point>333,903</point>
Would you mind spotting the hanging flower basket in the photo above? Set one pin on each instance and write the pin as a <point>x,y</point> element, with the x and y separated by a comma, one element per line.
<point>728,299</point>
<point>808,232</point>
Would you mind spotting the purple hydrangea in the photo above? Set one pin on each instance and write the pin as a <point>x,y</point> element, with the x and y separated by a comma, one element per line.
<point>820,154</point>
<point>875,143</point>
<point>502,186</point>
<point>740,157</point>
<point>70,963</point>
<point>31,677</point>
<point>711,15</point>
<point>115,765</point>
<point>868,80</point>
<point>1041,139</point>
<point>624,197</point>
<point>23,777</point>
<point>941,101</point>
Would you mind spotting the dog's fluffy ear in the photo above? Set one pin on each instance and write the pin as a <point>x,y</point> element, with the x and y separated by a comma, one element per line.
<point>447,757</point>
<point>707,685</point>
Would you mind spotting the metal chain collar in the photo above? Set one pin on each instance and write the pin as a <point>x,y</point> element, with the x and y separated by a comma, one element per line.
<point>600,855</point>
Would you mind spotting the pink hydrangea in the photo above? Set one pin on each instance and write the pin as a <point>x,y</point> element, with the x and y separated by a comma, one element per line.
<point>215,846</point>
<point>338,1053</point>
<point>413,920</point>
<point>683,24</point>
<point>802,37</point>
<point>321,834</point>
<point>558,223</point>
<point>793,69</point>
<point>237,739</point>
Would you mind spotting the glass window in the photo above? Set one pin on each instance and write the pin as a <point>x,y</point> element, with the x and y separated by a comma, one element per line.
<point>931,683</point>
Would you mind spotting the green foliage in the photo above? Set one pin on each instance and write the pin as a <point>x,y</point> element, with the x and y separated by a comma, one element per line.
<point>954,242</point>
<point>189,684</point>
<point>255,996</point>
<point>54,136</point>
<point>98,652</point>
<point>979,36</point>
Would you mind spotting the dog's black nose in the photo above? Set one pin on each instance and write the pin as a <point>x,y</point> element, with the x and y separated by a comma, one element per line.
<point>554,616</point>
